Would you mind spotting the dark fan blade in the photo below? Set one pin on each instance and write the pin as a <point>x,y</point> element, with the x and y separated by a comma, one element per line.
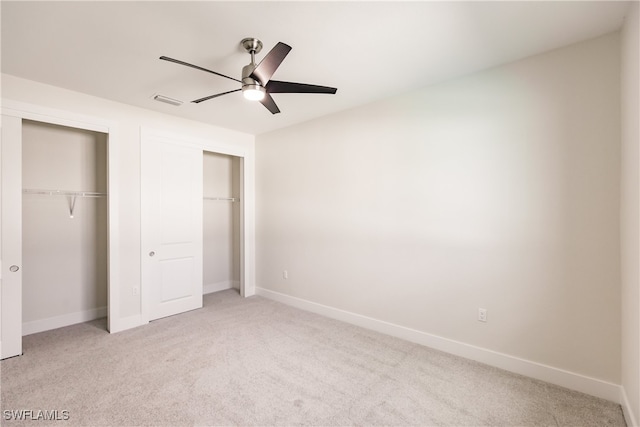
<point>177,61</point>
<point>206,98</point>
<point>275,86</point>
<point>268,102</point>
<point>270,63</point>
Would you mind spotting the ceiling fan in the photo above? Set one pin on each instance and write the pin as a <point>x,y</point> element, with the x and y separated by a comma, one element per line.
<point>256,79</point>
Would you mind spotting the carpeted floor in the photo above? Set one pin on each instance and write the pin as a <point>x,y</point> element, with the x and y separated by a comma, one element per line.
<point>253,361</point>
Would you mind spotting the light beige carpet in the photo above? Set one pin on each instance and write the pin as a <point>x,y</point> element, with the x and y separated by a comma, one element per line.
<point>257,362</point>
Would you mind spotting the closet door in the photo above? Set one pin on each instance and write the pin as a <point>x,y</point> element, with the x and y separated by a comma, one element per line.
<point>11,232</point>
<point>171,227</point>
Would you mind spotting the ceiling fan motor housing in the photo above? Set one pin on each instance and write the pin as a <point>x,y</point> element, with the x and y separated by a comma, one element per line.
<point>251,88</point>
<point>246,73</point>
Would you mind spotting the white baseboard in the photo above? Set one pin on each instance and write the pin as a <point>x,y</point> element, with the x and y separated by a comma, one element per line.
<point>220,286</point>
<point>629,416</point>
<point>561,377</point>
<point>56,322</point>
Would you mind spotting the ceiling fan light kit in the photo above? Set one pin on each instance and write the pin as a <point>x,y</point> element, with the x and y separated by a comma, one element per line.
<point>256,78</point>
<point>253,92</point>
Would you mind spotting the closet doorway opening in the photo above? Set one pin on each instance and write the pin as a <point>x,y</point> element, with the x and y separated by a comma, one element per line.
<point>198,172</point>
<point>53,187</point>
<point>64,226</point>
<point>222,209</point>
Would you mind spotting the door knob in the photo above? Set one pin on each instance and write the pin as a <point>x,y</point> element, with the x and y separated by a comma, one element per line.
<point>152,253</point>
<point>14,268</point>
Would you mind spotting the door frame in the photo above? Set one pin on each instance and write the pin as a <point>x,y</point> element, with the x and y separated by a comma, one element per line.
<point>54,116</point>
<point>247,207</point>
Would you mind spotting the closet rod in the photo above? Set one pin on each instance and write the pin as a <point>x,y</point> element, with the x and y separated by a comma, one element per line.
<point>72,194</point>
<point>64,193</point>
<point>223,199</point>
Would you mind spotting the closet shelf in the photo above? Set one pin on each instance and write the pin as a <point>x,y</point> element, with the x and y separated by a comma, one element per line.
<point>64,193</point>
<point>223,199</point>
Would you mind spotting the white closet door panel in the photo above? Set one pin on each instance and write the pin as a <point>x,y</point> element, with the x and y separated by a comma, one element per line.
<point>11,237</point>
<point>175,273</point>
<point>177,193</point>
<point>172,227</point>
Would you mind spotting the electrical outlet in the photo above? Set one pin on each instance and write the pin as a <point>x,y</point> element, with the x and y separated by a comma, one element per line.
<point>285,274</point>
<point>136,291</point>
<point>482,314</point>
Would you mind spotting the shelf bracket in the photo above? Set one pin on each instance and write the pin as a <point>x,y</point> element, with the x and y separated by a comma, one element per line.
<point>72,205</point>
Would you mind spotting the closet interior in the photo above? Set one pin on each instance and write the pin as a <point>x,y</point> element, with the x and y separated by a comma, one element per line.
<point>64,226</point>
<point>221,222</point>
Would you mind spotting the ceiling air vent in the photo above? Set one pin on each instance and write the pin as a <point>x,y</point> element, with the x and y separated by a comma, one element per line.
<point>167,100</point>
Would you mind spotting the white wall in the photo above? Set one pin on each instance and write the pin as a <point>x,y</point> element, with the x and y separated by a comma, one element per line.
<point>630,215</point>
<point>128,120</point>
<point>497,190</point>
<point>64,259</point>
<point>220,223</point>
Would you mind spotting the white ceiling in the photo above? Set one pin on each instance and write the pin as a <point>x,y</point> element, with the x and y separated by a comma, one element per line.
<point>368,50</point>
